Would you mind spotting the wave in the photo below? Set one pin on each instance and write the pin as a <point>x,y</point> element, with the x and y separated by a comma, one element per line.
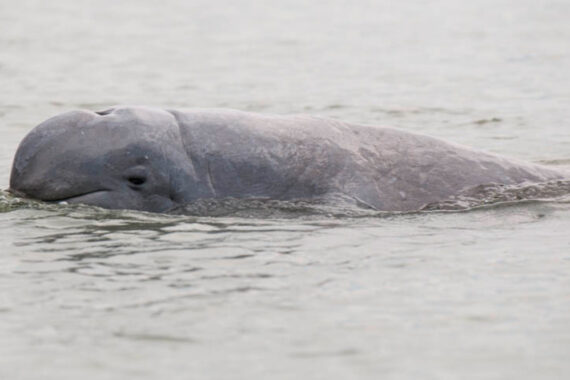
<point>490,195</point>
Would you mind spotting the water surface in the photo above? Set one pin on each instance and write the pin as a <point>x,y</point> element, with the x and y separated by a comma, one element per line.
<point>479,294</point>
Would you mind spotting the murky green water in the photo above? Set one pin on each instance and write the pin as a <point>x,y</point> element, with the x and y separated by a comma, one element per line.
<point>481,294</point>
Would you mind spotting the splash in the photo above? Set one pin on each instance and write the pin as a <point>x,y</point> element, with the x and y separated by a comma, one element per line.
<point>270,208</point>
<point>489,195</point>
<point>495,194</point>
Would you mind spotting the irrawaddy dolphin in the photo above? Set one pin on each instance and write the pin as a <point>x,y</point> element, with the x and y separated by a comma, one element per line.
<point>156,160</point>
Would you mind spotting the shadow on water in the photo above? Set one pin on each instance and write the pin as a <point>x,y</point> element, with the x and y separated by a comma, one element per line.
<point>174,260</point>
<point>86,235</point>
<point>227,229</point>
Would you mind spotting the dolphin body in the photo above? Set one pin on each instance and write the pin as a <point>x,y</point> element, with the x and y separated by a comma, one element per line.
<point>155,160</point>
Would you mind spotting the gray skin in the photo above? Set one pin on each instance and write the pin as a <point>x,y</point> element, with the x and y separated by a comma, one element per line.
<point>155,160</point>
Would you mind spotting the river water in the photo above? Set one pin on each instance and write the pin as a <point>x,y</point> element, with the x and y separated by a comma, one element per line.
<point>476,294</point>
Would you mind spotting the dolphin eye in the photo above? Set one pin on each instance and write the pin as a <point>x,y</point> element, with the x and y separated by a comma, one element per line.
<point>136,176</point>
<point>137,180</point>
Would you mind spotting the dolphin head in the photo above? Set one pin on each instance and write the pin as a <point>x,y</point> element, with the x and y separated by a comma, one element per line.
<point>122,158</point>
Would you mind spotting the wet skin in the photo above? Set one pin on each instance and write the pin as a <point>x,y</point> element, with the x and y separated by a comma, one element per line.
<point>155,160</point>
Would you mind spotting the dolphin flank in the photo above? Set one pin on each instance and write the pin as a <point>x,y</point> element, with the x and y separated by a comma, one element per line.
<point>155,160</point>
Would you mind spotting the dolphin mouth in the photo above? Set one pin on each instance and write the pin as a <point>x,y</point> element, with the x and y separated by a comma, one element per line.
<point>76,197</point>
<point>68,198</point>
